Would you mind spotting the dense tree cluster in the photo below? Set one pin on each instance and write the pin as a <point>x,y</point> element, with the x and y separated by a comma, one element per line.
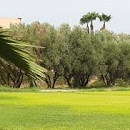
<point>77,54</point>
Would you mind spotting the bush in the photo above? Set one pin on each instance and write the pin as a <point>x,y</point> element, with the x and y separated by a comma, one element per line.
<point>121,82</point>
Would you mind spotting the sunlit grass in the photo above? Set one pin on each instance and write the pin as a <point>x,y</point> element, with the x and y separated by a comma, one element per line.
<point>67,111</point>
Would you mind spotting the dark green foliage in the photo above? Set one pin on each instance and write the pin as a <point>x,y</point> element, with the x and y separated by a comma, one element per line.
<point>77,55</point>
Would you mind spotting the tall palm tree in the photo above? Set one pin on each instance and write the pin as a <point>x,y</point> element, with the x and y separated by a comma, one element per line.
<point>104,18</point>
<point>92,16</point>
<point>89,17</point>
<point>13,54</point>
<point>85,20</point>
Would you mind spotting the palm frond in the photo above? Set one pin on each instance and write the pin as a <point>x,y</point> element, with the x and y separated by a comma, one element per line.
<point>12,52</point>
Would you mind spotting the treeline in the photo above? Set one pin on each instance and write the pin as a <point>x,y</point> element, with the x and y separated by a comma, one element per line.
<point>75,54</point>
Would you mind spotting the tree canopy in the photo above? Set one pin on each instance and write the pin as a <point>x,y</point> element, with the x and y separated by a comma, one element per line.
<point>75,54</point>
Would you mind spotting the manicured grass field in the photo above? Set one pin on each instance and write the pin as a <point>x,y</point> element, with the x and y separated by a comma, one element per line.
<point>65,111</point>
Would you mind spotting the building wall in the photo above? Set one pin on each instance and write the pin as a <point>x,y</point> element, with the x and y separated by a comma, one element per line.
<point>6,22</point>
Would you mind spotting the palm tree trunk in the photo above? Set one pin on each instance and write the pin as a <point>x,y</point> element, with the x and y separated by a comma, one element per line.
<point>104,26</point>
<point>87,28</point>
<point>91,26</point>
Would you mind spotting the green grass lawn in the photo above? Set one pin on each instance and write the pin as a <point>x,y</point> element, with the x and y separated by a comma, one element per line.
<point>65,111</point>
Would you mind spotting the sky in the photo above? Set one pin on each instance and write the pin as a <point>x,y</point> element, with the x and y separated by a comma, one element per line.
<point>57,12</point>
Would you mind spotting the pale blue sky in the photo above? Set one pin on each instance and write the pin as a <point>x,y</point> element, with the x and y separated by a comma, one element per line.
<point>57,12</point>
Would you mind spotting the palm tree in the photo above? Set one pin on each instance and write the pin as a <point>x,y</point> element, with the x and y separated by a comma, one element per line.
<point>89,17</point>
<point>13,54</point>
<point>104,18</point>
<point>92,16</point>
<point>85,20</point>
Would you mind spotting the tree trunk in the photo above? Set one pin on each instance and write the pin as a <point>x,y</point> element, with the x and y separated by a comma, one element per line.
<point>76,83</point>
<point>48,81</point>
<point>104,26</point>
<point>56,76</point>
<point>91,26</point>
<point>68,80</point>
<point>51,80</point>
<point>32,82</point>
<point>87,28</point>
<point>18,79</point>
<point>104,79</point>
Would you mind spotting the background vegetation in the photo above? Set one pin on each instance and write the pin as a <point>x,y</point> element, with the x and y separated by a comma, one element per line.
<point>76,56</point>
